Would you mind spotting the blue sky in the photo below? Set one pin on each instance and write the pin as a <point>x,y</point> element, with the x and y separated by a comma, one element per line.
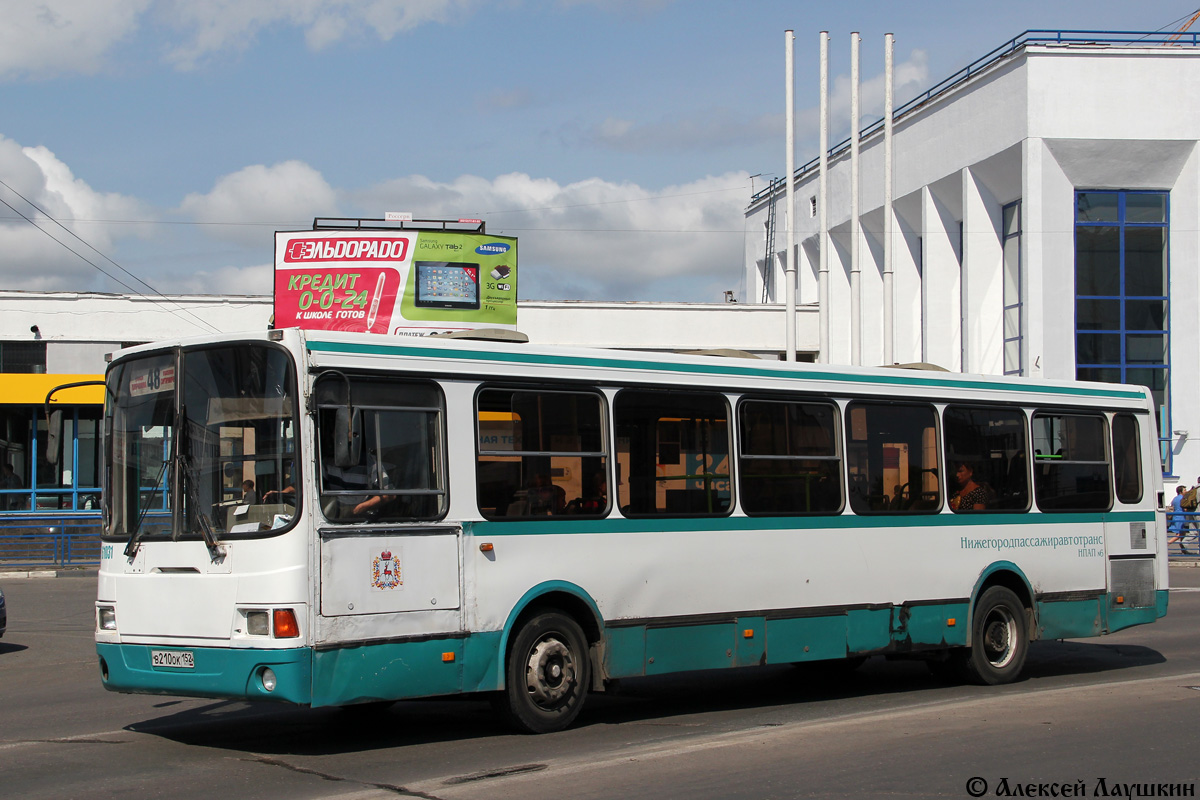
<point>615,138</point>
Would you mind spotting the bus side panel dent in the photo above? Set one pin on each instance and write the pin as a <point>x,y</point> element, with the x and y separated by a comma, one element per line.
<point>1070,619</point>
<point>1119,618</point>
<point>387,671</point>
<point>868,629</point>
<point>930,625</point>
<point>625,652</point>
<point>219,672</point>
<point>482,670</point>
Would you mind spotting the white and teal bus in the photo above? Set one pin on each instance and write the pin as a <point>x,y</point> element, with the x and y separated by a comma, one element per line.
<point>438,516</point>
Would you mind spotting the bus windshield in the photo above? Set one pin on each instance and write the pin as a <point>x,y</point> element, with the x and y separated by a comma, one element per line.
<point>201,443</point>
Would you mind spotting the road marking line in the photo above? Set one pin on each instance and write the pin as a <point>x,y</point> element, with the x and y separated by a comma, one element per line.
<point>669,749</point>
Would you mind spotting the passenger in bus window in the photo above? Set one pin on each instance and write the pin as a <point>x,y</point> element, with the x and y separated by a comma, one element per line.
<point>971,495</point>
<point>356,487</point>
<point>544,496</point>
<point>249,496</point>
<point>285,495</point>
<point>596,501</point>
<point>377,478</point>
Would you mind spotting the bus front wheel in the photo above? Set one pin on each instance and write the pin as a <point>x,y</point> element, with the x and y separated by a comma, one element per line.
<point>999,638</point>
<point>547,676</point>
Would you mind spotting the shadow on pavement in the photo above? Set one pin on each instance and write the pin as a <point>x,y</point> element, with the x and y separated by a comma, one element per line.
<point>661,701</point>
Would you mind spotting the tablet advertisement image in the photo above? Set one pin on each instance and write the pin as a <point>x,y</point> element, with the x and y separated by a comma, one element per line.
<point>403,282</point>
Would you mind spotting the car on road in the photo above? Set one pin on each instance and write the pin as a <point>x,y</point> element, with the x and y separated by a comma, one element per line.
<point>3,614</point>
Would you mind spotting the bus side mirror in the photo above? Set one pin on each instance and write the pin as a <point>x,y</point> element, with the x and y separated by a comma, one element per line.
<point>347,437</point>
<point>54,426</point>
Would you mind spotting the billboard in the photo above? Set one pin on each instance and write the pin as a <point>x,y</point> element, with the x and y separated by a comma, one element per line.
<point>401,282</point>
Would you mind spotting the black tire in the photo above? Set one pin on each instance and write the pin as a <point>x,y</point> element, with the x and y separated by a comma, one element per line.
<point>999,638</point>
<point>548,674</point>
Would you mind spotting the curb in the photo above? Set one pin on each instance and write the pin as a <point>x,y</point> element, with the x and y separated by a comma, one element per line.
<point>48,573</point>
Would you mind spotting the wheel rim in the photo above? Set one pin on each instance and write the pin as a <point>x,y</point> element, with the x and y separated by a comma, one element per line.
<point>550,672</point>
<point>999,637</point>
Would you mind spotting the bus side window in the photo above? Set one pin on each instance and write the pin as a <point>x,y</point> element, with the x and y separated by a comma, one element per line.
<point>1127,461</point>
<point>400,474</point>
<point>673,452</point>
<point>1071,470</point>
<point>789,459</point>
<point>989,447</point>
<point>542,453</point>
<point>892,458</point>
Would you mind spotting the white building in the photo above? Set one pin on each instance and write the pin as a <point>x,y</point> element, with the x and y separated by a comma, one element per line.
<point>1046,223</point>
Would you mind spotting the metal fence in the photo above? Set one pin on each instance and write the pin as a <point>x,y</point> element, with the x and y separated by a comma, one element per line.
<point>49,540</point>
<point>1188,545</point>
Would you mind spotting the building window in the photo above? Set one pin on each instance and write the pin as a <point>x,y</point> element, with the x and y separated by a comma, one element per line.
<point>1121,279</point>
<point>23,357</point>
<point>1013,307</point>
<point>72,483</point>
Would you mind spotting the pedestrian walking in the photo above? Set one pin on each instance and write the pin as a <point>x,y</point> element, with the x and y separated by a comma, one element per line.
<point>1175,520</point>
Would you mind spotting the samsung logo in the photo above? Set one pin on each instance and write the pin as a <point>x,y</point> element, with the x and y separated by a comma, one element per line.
<point>492,249</point>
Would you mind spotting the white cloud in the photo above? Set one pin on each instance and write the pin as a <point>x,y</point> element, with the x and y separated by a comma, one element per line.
<point>52,37</point>
<point>595,239</point>
<point>45,38</point>
<point>714,128</point>
<point>282,194</point>
<point>217,25</point>
<point>910,78</point>
<point>256,279</point>
<point>721,127</point>
<point>36,256</point>
<point>592,239</point>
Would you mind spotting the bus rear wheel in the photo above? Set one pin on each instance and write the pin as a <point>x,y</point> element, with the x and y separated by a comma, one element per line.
<point>999,638</point>
<point>547,674</point>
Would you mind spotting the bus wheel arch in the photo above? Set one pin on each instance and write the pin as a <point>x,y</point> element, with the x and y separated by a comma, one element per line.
<point>1002,625</point>
<point>549,655</point>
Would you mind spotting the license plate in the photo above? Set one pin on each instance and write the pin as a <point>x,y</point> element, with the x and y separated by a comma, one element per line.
<point>176,659</point>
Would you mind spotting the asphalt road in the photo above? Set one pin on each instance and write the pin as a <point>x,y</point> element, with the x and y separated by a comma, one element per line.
<point>1121,709</point>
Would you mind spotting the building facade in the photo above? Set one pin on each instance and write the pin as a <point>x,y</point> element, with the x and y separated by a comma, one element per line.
<point>1044,223</point>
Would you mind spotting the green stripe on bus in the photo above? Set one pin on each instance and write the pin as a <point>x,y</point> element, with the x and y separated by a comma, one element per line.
<point>551,525</point>
<point>722,369</point>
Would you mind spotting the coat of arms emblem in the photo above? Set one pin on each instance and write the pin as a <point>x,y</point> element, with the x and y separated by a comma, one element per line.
<point>385,573</point>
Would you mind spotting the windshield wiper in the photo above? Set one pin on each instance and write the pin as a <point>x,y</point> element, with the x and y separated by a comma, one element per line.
<point>215,551</point>
<point>135,538</point>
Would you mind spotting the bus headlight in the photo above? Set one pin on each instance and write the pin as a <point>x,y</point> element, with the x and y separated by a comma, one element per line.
<point>107,618</point>
<point>258,623</point>
<point>267,676</point>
